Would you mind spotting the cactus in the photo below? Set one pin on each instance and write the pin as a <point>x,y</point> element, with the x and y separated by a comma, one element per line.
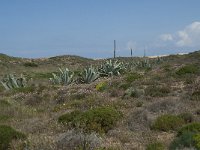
<point>11,82</point>
<point>89,75</point>
<point>111,68</point>
<point>64,77</point>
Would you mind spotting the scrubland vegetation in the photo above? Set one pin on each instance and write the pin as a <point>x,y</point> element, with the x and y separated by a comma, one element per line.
<point>74,103</point>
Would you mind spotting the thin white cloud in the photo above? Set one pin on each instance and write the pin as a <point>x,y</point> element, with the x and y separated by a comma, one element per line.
<point>166,37</point>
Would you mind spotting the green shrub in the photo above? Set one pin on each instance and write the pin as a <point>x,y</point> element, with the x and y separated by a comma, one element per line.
<point>7,134</point>
<point>100,119</point>
<point>4,118</point>
<point>30,64</point>
<point>167,123</point>
<point>192,127</point>
<point>187,117</point>
<point>132,77</point>
<point>185,140</point>
<point>69,117</point>
<point>155,146</point>
<point>102,86</point>
<point>156,91</point>
<point>197,140</point>
<point>188,69</point>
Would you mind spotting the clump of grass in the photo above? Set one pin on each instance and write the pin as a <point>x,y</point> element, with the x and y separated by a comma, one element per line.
<point>188,69</point>
<point>100,119</point>
<point>7,134</point>
<point>156,91</point>
<point>155,146</point>
<point>168,122</point>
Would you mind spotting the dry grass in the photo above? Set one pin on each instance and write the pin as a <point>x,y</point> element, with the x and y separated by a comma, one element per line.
<point>35,111</point>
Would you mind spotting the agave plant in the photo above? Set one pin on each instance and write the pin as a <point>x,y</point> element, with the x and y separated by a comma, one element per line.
<point>89,75</point>
<point>64,77</point>
<point>11,82</point>
<point>111,68</point>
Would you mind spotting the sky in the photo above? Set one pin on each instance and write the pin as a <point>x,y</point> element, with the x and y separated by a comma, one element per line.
<point>45,28</point>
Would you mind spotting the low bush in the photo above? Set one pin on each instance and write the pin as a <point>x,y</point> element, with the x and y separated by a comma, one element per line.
<point>185,140</point>
<point>132,92</point>
<point>187,117</point>
<point>192,127</point>
<point>30,64</point>
<point>102,86</point>
<point>7,134</point>
<point>132,77</point>
<point>156,91</point>
<point>4,118</point>
<point>197,140</point>
<point>188,69</point>
<point>195,96</point>
<point>167,123</point>
<point>187,137</point>
<point>155,146</point>
<point>99,119</point>
<point>76,140</point>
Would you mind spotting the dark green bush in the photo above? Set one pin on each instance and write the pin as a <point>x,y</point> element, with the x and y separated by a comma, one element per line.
<point>187,117</point>
<point>7,134</point>
<point>99,119</point>
<point>132,77</point>
<point>185,140</point>
<point>167,123</point>
<point>156,91</point>
<point>155,146</point>
<point>188,69</point>
<point>4,118</point>
<point>192,127</point>
<point>30,64</point>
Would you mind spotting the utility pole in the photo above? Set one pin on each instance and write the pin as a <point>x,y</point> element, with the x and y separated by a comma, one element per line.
<point>114,48</point>
<point>131,52</point>
<point>144,52</point>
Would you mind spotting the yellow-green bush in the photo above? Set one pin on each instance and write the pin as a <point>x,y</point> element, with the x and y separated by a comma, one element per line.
<point>197,140</point>
<point>155,146</point>
<point>102,86</point>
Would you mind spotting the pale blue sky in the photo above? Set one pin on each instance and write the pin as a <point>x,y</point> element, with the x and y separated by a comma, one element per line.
<point>43,28</point>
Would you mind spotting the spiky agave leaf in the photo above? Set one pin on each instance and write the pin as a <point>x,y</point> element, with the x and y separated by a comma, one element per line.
<point>64,77</point>
<point>90,75</point>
